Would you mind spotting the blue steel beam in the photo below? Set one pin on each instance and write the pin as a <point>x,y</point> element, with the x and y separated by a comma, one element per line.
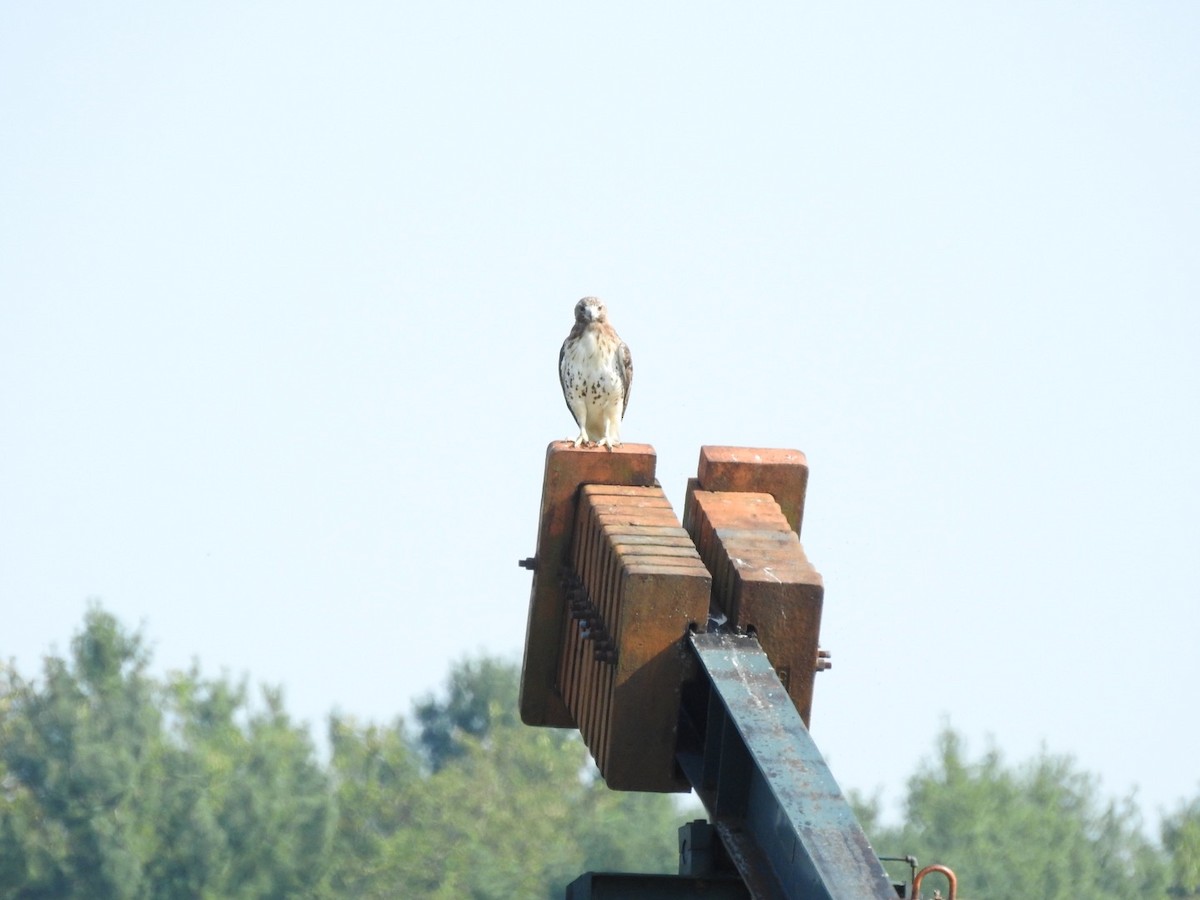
<point>767,789</point>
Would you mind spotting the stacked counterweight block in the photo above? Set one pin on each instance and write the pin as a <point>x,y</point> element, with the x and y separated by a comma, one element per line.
<point>635,585</point>
<point>762,581</point>
<point>618,582</point>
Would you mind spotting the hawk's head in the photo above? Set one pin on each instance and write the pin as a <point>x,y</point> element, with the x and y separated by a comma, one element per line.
<point>590,309</point>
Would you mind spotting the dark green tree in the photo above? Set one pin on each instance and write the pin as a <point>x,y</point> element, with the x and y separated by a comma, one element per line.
<point>73,756</point>
<point>480,694</point>
<point>113,785</point>
<point>117,785</point>
<point>269,796</point>
<point>1040,830</point>
<point>478,805</point>
<point>384,843</point>
<point>1181,840</point>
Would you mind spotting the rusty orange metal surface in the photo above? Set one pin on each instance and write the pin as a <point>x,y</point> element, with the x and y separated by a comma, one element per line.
<point>762,580</point>
<point>640,586</point>
<point>617,581</point>
<point>567,467</point>
<point>781,473</point>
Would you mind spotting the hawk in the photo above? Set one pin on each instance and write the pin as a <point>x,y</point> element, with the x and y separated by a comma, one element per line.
<point>596,372</point>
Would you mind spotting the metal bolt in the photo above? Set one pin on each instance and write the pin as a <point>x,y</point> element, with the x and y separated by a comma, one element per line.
<point>529,562</point>
<point>824,661</point>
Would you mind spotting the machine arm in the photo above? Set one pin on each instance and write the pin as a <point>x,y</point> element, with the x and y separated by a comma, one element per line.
<point>768,791</point>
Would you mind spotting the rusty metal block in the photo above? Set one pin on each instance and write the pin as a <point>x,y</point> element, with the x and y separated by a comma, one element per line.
<point>618,582</point>
<point>567,467</point>
<point>637,585</point>
<point>781,473</point>
<point>762,580</point>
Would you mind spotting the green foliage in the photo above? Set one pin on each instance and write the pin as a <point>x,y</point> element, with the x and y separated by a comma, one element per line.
<point>1039,830</point>
<point>1181,839</point>
<point>480,806</point>
<point>73,763</point>
<point>480,695</point>
<point>381,845</point>
<point>114,784</point>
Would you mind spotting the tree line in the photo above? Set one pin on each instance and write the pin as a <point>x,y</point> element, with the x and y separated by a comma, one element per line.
<point>118,784</point>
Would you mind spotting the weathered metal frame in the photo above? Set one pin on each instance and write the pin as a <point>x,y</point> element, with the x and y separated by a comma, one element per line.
<point>764,783</point>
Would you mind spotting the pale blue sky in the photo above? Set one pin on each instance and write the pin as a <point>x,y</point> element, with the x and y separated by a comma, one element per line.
<point>282,288</point>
